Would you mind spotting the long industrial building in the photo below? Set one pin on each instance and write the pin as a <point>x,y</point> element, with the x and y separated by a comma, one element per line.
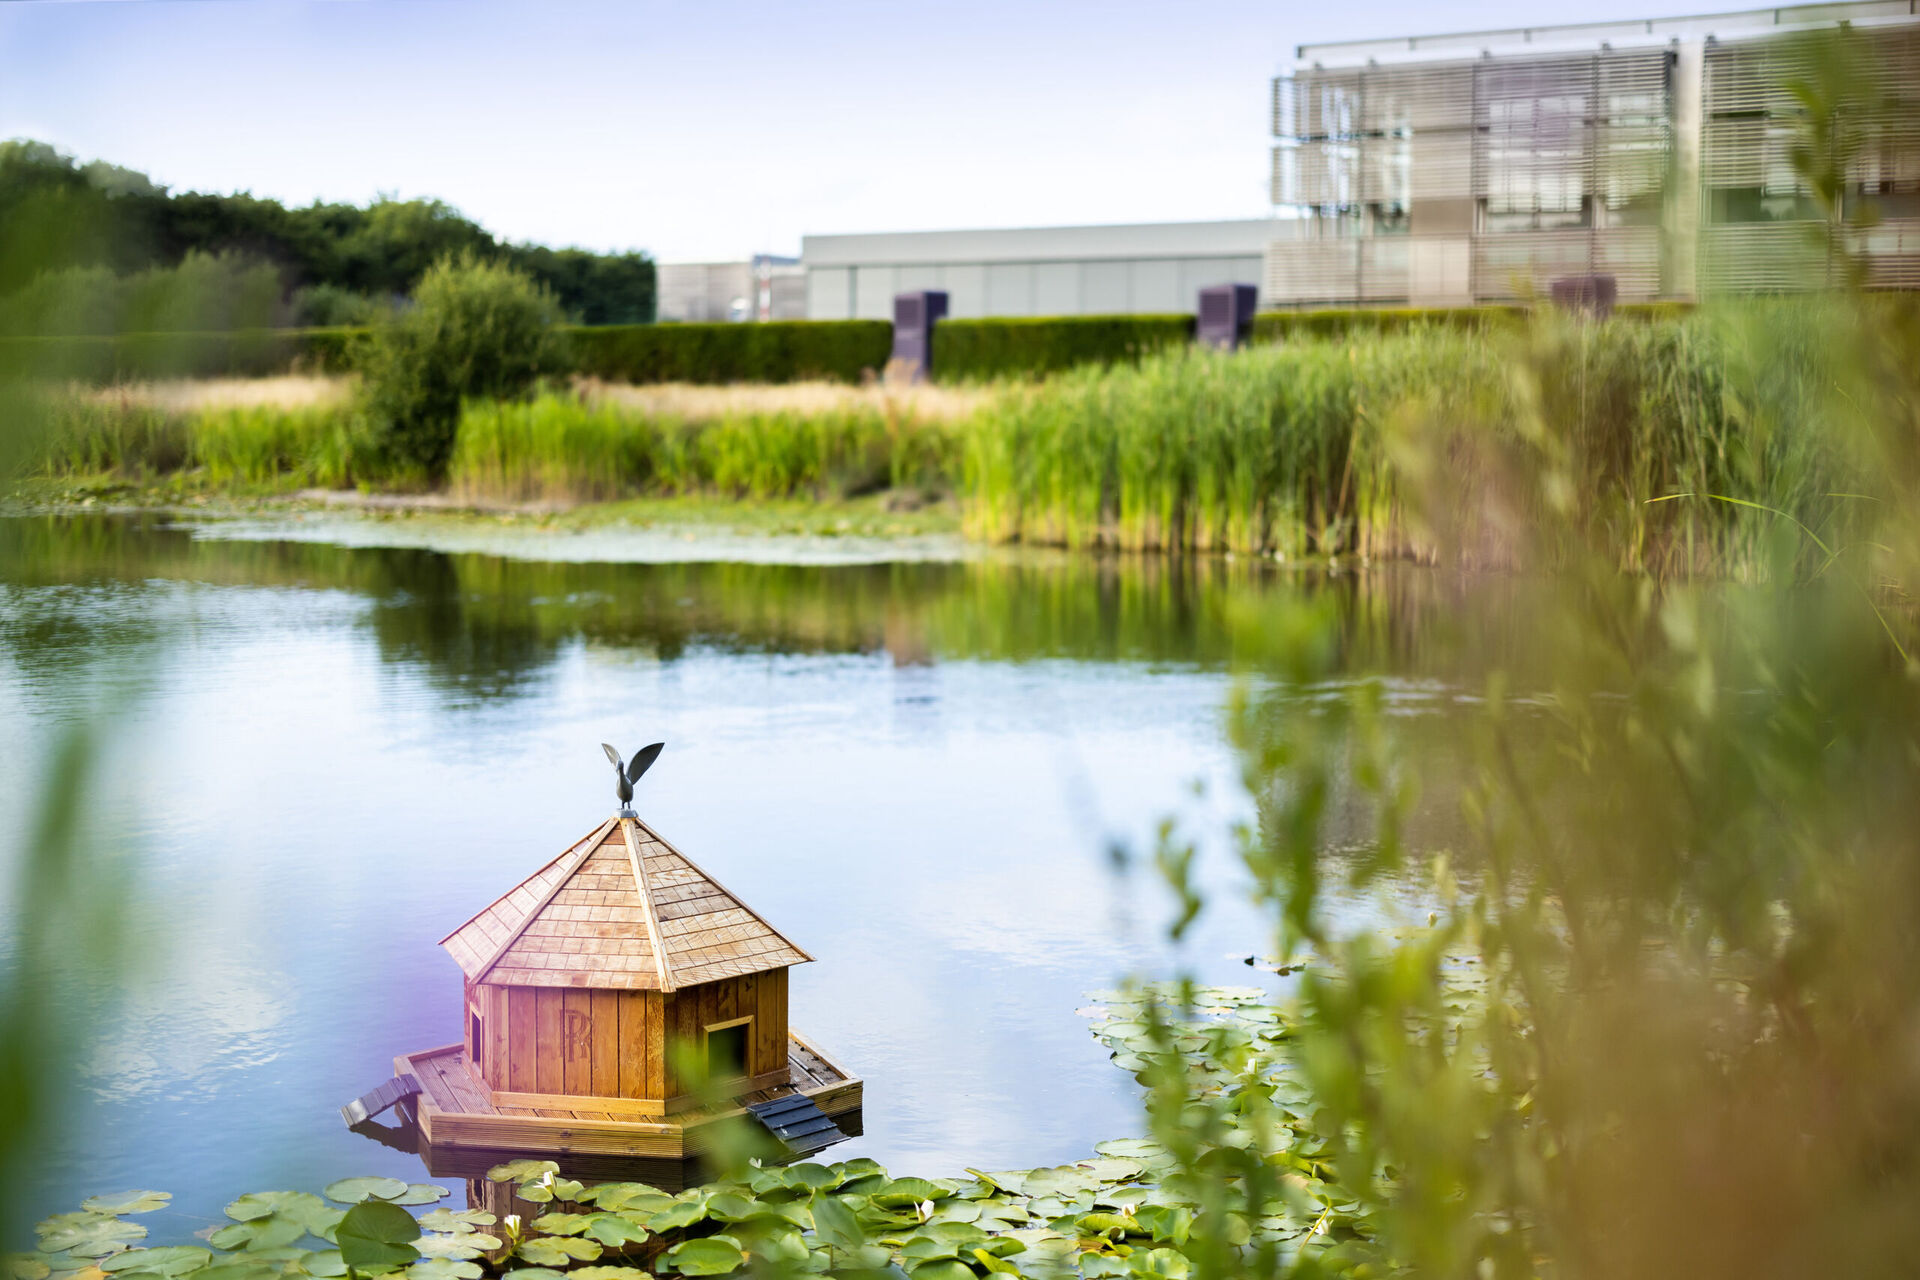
<point>1479,167</point>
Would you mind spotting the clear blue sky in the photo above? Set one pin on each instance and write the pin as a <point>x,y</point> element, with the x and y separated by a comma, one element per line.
<point>698,129</point>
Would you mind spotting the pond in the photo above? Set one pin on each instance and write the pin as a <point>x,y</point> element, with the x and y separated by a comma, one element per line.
<point>318,759</point>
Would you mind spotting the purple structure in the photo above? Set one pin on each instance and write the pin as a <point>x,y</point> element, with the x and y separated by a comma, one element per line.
<point>914,315</point>
<point>1226,315</point>
<point>1592,294</point>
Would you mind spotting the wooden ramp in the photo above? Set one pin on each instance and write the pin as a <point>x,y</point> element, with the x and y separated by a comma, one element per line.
<point>453,1110</point>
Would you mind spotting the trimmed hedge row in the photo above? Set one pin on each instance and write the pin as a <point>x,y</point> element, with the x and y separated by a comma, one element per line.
<point>775,351</point>
<point>780,351</point>
<point>1021,346</point>
<point>240,353</point>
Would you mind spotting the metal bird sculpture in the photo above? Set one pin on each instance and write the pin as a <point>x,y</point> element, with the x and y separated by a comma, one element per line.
<point>628,774</point>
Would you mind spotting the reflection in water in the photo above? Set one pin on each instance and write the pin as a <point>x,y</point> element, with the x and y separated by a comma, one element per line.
<point>349,748</point>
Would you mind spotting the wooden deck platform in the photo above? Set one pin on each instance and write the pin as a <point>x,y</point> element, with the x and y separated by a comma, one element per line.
<point>453,1111</point>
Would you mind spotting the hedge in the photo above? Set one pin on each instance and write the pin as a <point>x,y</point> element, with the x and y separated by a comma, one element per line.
<point>241,353</point>
<point>774,351</point>
<point>1329,322</point>
<point>964,350</point>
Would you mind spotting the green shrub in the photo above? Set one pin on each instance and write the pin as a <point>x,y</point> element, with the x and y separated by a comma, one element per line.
<point>778,351</point>
<point>966,350</point>
<point>475,328</point>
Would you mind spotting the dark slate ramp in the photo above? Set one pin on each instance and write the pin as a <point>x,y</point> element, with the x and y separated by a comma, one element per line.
<point>369,1105</point>
<point>798,1123</point>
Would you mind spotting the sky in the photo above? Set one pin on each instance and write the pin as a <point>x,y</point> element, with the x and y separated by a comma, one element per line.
<point>699,130</point>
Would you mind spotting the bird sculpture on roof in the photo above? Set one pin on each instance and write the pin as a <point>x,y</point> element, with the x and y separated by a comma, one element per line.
<point>628,774</point>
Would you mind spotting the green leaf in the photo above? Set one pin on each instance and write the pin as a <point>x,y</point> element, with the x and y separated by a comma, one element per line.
<point>168,1260</point>
<point>558,1251</point>
<point>376,1234</point>
<point>729,1207</point>
<point>711,1256</point>
<point>24,1266</point>
<point>444,1269</point>
<point>835,1224</point>
<point>456,1248</point>
<point>534,1273</point>
<point>355,1190</point>
<point>561,1224</point>
<point>1159,1262</point>
<point>613,1230</point>
<point>420,1193</point>
<point>457,1222</point>
<point>609,1273</point>
<point>942,1269</point>
<point>127,1202</point>
<point>680,1214</point>
<point>327,1264</point>
<point>995,1264</point>
<point>87,1235</point>
<point>521,1170</point>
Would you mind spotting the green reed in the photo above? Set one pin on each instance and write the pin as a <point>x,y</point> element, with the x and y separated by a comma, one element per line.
<point>251,447</point>
<point>563,447</point>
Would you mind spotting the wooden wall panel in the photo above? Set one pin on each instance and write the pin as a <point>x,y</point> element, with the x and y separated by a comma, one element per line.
<point>499,1047</point>
<point>549,1062</point>
<point>576,1042</point>
<point>606,1042</point>
<point>522,1041</point>
<point>656,1055</point>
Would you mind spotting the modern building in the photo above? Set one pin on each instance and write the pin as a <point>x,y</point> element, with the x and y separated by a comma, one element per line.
<point>1037,271</point>
<point>764,287</point>
<point>1479,167</point>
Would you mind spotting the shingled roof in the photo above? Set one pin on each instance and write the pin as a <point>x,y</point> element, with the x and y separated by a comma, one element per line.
<point>623,909</point>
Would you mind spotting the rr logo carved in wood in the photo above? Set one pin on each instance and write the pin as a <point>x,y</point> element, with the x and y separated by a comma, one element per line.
<point>576,1033</point>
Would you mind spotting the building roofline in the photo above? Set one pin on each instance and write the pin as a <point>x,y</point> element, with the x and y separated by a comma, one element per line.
<point>1698,24</point>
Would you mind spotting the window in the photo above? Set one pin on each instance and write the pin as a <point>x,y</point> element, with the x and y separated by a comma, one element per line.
<point>727,1050</point>
<point>476,1040</point>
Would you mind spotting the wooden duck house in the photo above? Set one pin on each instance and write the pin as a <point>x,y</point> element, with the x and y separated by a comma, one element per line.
<point>616,1000</point>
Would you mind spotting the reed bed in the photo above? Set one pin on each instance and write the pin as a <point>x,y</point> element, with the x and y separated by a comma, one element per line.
<point>559,447</point>
<point>259,446</point>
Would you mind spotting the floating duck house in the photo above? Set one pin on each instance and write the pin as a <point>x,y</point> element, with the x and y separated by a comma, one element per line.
<point>599,992</point>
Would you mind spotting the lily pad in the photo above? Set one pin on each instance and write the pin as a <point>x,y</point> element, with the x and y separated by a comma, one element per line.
<point>612,1230</point>
<point>711,1256</point>
<point>327,1264</point>
<point>608,1273</point>
<point>167,1260</point>
<point>942,1269</point>
<point>520,1170</point>
<point>456,1221</point>
<point>443,1269</point>
<point>88,1235</point>
<point>23,1266</point>
<point>456,1248</point>
<point>558,1251</point>
<point>355,1190</point>
<point>127,1202</point>
<point>376,1234</point>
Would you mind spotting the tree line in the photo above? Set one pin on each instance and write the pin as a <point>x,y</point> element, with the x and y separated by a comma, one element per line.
<point>95,223</point>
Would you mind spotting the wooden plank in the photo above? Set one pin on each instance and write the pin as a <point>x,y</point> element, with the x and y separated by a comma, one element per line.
<point>819,1053</point>
<point>583,850</point>
<point>606,1043</point>
<point>655,836</point>
<point>566,1102</point>
<point>576,1035</point>
<point>549,1073</point>
<point>498,1053</point>
<point>523,1038</point>
<point>630,1045</point>
<point>656,1051</point>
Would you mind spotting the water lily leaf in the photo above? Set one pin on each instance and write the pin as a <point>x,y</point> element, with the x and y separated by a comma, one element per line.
<point>534,1273</point>
<point>712,1256</point>
<point>420,1193</point>
<point>443,1269</point>
<point>547,1191</point>
<point>608,1273</point>
<point>942,1269</point>
<point>613,1230</point>
<point>241,1269</point>
<point>327,1264</point>
<point>1011,1181</point>
<point>729,1207</point>
<point>1159,1262</point>
<point>520,1170</point>
<point>376,1234</point>
<point>456,1221</point>
<point>993,1263</point>
<point>1113,1168</point>
<point>630,1197</point>
<point>901,1191</point>
<point>24,1266</point>
<point>835,1224</point>
<point>88,1235</point>
<point>456,1248</point>
<point>127,1202</point>
<point>355,1190</point>
<point>558,1251</point>
<point>815,1177</point>
<point>959,1232</point>
<point>562,1224</point>
<point>302,1206</point>
<point>682,1213</point>
<point>1105,1224</point>
<point>168,1260</point>
<point>275,1231</point>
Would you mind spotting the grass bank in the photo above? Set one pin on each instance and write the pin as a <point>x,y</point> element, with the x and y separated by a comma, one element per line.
<point>1685,441</point>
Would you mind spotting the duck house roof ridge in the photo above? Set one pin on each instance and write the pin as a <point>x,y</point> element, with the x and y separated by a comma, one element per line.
<point>622,908</point>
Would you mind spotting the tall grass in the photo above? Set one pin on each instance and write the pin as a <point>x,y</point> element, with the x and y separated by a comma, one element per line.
<point>240,446</point>
<point>1308,448</point>
<point>562,447</point>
